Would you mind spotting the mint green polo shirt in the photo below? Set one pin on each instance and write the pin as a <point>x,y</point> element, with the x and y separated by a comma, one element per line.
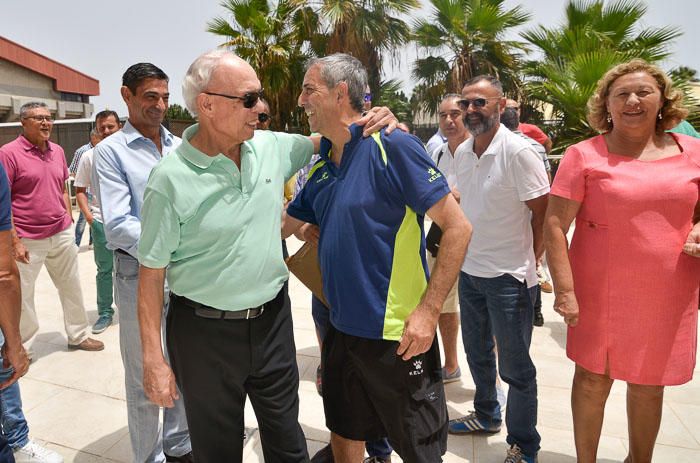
<point>217,228</point>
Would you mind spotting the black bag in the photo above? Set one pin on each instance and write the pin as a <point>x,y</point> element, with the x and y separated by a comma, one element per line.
<point>432,239</point>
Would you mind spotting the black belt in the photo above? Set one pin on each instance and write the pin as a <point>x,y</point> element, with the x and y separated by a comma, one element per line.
<point>205,311</point>
<point>121,251</point>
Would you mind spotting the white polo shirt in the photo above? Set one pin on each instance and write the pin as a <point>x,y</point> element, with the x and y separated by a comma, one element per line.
<point>493,192</point>
<point>446,164</point>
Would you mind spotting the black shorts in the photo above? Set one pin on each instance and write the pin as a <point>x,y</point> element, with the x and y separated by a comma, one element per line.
<point>369,392</point>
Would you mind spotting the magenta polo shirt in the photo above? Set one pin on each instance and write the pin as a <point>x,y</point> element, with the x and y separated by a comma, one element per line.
<point>36,184</point>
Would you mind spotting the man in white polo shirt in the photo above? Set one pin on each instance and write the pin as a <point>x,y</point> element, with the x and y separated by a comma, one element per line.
<point>503,187</point>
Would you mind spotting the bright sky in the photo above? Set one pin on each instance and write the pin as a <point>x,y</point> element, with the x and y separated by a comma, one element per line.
<point>103,39</point>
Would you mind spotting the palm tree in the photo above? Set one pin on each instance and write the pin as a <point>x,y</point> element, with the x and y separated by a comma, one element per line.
<point>274,40</point>
<point>596,35</point>
<point>465,38</point>
<point>370,30</point>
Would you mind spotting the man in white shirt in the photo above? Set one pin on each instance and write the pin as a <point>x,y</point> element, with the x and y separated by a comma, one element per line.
<point>503,187</point>
<point>452,127</point>
<point>106,123</point>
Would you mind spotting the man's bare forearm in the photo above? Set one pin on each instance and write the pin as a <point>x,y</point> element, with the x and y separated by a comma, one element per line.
<point>82,200</point>
<point>453,248</point>
<point>66,201</point>
<point>150,310</point>
<point>10,302</point>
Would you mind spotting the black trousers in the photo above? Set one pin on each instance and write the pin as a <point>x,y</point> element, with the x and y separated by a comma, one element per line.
<point>218,363</point>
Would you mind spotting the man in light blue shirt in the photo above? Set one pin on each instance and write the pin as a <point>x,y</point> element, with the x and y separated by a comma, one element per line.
<point>122,164</point>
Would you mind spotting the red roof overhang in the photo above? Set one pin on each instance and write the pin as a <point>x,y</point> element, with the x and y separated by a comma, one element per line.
<point>65,79</point>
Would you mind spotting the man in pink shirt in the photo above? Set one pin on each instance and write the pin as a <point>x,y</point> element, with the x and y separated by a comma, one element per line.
<point>42,232</point>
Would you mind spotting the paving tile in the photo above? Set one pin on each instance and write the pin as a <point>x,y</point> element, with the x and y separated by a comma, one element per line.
<point>34,393</point>
<point>79,420</point>
<point>667,453</point>
<point>74,401</point>
<point>689,415</point>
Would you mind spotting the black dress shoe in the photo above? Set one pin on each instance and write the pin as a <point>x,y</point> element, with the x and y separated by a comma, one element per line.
<point>186,458</point>
<point>325,455</point>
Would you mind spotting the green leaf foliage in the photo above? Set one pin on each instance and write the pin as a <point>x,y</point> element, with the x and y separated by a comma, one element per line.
<point>594,37</point>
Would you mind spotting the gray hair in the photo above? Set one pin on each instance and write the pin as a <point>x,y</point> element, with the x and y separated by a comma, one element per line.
<point>450,96</point>
<point>26,107</point>
<point>341,67</point>
<point>199,75</point>
<point>493,80</point>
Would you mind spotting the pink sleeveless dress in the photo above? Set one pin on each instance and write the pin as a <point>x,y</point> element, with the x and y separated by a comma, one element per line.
<point>637,291</point>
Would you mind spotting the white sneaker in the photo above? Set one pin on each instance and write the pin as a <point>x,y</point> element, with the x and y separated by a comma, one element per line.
<point>35,453</point>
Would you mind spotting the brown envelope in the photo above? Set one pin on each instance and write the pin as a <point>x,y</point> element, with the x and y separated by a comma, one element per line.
<point>304,266</point>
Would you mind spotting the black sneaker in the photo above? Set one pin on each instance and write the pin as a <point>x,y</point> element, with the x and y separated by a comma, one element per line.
<point>186,458</point>
<point>538,320</point>
<point>325,455</point>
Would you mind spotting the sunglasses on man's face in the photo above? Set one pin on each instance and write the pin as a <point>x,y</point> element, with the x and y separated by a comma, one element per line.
<point>249,99</point>
<point>263,117</point>
<point>476,102</point>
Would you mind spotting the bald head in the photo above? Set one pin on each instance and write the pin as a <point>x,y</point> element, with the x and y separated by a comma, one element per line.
<point>209,69</point>
<point>512,104</point>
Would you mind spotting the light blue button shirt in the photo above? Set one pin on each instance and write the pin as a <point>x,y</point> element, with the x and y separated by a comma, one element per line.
<point>121,168</point>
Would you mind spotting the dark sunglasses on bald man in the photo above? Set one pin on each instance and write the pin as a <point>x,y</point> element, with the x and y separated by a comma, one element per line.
<point>249,99</point>
<point>476,102</point>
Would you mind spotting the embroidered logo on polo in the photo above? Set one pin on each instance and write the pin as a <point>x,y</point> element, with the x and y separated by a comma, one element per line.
<point>417,368</point>
<point>268,180</point>
<point>434,175</point>
<point>323,177</point>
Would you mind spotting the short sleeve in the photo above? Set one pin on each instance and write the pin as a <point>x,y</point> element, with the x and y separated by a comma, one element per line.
<point>413,173</point>
<point>295,151</point>
<point>529,175</point>
<point>160,230</point>
<point>65,164</point>
<point>84,171</point>
<point>5,202</point>
<point>8,164</point>
<point>570,180</point>
<point>301,207</point>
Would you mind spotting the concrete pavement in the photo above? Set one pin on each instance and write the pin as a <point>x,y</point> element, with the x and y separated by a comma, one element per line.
<point>74,400</point>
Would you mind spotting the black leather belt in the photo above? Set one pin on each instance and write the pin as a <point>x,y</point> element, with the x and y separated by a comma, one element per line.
<point>205,311</point>
<point>121,251</point>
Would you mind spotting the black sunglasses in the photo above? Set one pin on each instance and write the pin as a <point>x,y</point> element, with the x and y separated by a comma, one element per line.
<point>476,102</point>
<point>263,117</point>
<point>249,99</point>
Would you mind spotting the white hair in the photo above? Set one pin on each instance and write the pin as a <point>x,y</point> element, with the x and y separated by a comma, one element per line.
<point>26,107</point>
<point>199,75</point>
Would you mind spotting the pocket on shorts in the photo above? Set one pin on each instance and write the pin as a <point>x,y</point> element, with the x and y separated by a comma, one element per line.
<point>428,410</point>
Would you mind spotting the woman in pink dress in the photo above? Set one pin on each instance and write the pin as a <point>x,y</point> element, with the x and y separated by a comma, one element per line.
<point>628,285</point>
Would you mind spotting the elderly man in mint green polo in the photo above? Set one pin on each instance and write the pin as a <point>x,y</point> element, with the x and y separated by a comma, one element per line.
<point>211,216</point>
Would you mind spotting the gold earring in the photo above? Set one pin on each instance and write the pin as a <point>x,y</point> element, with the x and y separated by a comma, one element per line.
<point>609,119</point>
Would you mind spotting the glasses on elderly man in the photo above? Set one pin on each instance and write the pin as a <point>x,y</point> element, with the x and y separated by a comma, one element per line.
<point>249,99</point>
<point>40,118</point>
<point>476,102</point>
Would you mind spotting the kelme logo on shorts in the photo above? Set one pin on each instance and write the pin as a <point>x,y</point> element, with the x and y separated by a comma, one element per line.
<point>434,175</point>
<point>417,368</point>
<point>323,177</point>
